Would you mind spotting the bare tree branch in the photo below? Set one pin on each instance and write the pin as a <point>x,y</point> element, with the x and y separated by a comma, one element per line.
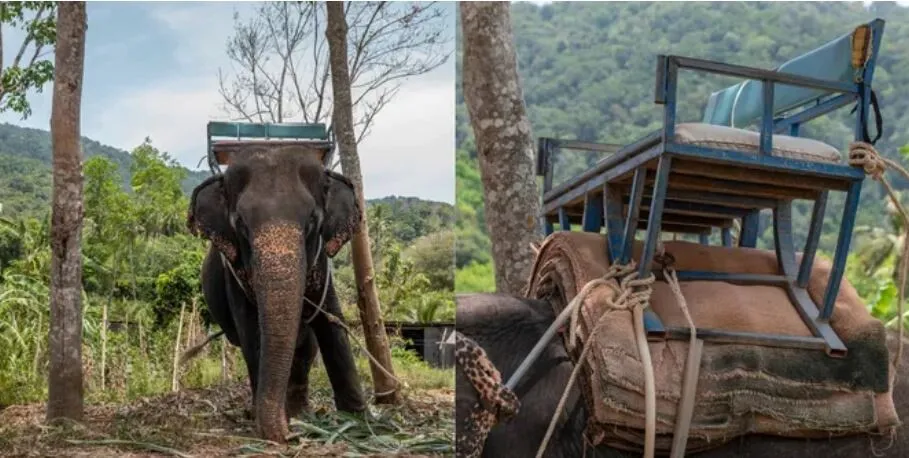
<point>280,66</point>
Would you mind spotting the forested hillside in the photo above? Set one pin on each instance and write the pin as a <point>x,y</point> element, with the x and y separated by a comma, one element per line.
<point>25,158</point>
<point>587,72</point>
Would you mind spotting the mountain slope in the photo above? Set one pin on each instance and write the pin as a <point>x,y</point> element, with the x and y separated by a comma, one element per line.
<point>26,155</point>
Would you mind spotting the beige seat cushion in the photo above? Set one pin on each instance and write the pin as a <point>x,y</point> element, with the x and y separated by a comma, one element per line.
<point>747,141</point>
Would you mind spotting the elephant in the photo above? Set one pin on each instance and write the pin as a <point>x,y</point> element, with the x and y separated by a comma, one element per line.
<point>273,219</point>
<point>508,326</point>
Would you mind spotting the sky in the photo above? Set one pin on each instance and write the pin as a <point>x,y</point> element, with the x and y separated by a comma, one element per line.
<point>151,70</point>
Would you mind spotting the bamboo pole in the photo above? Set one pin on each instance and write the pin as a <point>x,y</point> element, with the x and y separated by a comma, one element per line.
<point>224,359</point>
<point>104,346</point>
<point>175,380</point>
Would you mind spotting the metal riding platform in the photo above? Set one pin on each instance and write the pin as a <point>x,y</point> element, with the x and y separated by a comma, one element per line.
<point>693,177</point>
<point>234,135</point>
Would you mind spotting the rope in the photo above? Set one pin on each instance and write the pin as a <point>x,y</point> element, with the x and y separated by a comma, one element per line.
<point>334,319</point>
<point>862,154</point>
<point>630,293</point>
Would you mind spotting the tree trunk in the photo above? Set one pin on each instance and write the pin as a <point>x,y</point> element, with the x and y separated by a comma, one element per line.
<point>342,124</point>
<point>505,146</point>
<point>65,390</point>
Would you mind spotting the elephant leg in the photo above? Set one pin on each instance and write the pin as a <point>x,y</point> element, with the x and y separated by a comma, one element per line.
<point>214,290</point>
<point>298,388</point>
<point>249,345</point>
<point>245,319</point>
<point>338,358</point>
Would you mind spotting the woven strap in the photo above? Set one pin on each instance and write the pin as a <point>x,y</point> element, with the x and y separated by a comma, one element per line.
<point>496,402</point>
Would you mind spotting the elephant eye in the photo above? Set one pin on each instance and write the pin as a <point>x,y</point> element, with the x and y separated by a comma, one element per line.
<point>240,226</point>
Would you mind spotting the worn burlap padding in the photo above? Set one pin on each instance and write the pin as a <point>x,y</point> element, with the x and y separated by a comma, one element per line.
<point>741,388</point>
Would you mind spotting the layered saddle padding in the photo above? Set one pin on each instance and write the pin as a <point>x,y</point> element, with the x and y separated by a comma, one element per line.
<point>741,388</point>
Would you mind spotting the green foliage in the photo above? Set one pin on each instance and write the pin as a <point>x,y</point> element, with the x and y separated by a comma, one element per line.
<point>587,71</point>
<point>414,279</point>
<point>408,218</point>
<point>38,21</point>
<point>473,244</point>
<point>156,179</point>
<point>433,254</point>
<point>135,264</point>
<point>476,278</point>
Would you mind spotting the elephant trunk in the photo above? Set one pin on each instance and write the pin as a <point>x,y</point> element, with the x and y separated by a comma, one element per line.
<point>279,265</point>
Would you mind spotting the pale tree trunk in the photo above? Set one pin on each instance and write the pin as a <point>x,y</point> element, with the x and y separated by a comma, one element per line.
<point>505,146</point>
<point>342,123</point>
<point>65,391</point>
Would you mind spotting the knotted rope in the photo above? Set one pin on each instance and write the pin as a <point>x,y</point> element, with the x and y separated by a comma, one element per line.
<point>496,401</point>
<point>630,293</point>
<point>862,154</point>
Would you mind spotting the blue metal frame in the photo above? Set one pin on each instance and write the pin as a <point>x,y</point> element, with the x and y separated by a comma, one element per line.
<point>640,174</point>
<point>312,133</point>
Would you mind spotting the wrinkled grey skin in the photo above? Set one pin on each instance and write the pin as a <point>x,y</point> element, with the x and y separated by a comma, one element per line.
<point>266,214</point>
<point>508,327</point>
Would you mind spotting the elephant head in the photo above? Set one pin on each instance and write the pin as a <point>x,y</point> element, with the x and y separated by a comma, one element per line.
<point>270,214</point>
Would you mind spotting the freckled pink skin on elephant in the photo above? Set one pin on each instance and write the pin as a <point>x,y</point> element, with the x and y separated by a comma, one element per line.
<point>276,215</point>
<point>507,327</point>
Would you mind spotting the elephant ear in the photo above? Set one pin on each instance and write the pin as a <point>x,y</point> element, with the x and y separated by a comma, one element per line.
<point>207,217</point>
<point>342,212</point>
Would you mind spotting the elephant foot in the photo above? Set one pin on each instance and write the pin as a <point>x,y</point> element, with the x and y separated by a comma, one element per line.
<point>275,433</point>
<point>271,423</point>
<point>353,404</point>
<point>297,401</point>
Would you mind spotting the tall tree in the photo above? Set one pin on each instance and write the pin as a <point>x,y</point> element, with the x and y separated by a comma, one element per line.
<point>28,70</point>
<point>65,392</point>
<point>281,69</point>
<point>367,295</point>
<point>495,103</point>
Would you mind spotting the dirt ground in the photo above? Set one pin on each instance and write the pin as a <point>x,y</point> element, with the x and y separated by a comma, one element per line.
<point>214,422</point>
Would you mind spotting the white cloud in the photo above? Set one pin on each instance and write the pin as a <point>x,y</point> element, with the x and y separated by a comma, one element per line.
<point>174,115</point>
<point>410,151</point>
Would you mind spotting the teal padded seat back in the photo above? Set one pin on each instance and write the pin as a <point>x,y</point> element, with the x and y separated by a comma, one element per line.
<point>234,135</point>
<point>741,104</point>
<point>256,130</point>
